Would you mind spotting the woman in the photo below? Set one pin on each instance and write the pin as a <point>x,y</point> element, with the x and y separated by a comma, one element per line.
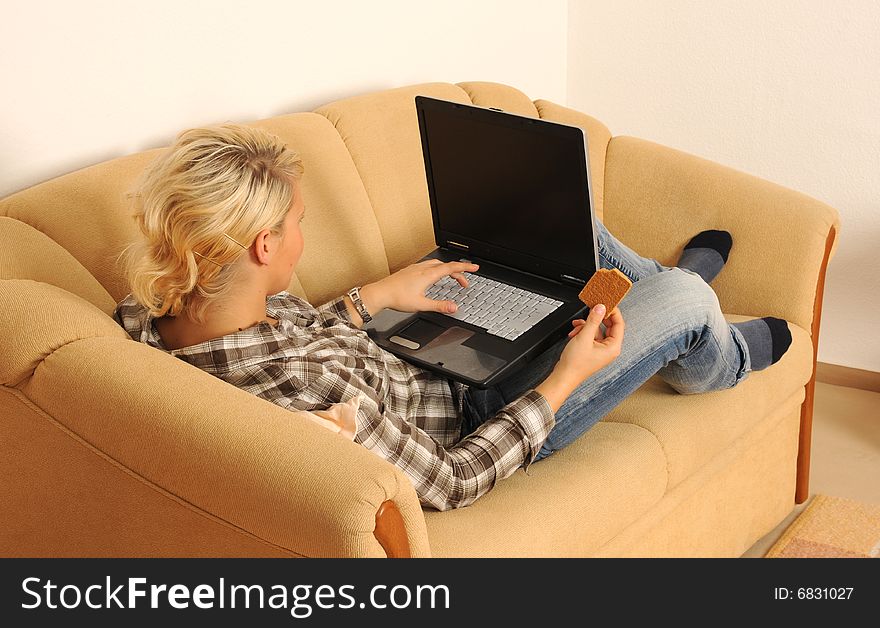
<point>220,215</point>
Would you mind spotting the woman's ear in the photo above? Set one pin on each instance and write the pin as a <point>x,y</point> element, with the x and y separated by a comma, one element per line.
<point>263,246</point>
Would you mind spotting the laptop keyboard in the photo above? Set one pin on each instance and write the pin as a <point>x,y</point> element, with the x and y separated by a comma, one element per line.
<point>501,309</point>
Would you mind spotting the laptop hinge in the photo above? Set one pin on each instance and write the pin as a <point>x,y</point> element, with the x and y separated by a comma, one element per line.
<point>458,244</point>
<point>573,281</point>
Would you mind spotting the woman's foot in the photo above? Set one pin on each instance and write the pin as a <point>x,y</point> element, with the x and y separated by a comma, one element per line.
<point>706,253</point>
<point>768,339</point>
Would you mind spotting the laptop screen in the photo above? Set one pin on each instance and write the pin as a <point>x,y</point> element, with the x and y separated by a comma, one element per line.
<point>511,189</point>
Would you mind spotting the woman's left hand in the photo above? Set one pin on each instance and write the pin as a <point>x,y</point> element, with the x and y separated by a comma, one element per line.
<point>404,290</point>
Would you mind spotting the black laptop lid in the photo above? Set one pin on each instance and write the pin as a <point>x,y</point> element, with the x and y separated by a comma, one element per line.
<point>508,188</point>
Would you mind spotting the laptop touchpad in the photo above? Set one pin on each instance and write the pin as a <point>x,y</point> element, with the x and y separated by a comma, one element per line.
<point>445,346</point>
<point>421,332</point>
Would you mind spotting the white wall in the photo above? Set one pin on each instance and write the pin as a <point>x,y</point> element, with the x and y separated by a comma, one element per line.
<point>788,90</point>
<point>90,80</point>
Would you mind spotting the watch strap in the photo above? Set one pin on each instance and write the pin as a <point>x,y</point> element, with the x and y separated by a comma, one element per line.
<point>355,296</point>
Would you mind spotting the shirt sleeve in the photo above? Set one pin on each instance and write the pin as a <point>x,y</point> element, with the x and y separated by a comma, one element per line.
<point>444,477</point>
<point>334,312</point>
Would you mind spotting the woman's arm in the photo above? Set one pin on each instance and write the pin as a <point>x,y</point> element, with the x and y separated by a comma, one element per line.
<point>372,296</point>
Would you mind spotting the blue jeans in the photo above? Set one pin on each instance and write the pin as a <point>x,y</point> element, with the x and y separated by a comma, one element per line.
<point>674,329</point>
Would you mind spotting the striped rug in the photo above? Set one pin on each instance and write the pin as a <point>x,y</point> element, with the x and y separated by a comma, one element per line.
<point>831,527</point>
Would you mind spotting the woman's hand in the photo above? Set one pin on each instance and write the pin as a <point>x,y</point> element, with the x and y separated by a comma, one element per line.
<point>591,350</point>
<point>579,324</point>
<point>404,291</point>
<point>588,351</point>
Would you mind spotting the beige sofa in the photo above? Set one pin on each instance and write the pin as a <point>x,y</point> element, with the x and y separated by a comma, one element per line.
<point>112,448</point>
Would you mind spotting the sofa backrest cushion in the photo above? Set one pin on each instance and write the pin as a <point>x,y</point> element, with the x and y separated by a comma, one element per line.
<point>87,213</point>
<point>343,242</point>
<point>381,131</point>
<point>27,253</point>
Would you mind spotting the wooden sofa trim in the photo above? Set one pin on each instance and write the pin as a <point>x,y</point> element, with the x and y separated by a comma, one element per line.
<point>390,531</point>
<point>802,487</point>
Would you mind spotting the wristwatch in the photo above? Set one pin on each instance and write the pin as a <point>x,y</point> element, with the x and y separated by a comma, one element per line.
<point>355,296</point>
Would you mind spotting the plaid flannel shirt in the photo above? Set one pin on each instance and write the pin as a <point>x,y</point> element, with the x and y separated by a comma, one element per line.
<point>409,416</point>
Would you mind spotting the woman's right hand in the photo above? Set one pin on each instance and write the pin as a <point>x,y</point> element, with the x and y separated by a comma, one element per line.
<point>589,349</point>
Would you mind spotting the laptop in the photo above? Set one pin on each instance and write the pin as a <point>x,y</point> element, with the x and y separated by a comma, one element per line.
<point>512,194</point>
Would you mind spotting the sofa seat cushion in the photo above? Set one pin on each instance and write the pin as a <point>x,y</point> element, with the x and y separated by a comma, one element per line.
<point>693,429</point>
<point>567,505</point>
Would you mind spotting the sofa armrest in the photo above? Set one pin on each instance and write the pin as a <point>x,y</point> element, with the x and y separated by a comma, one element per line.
<point>657,198</point>
<point>235,457</point>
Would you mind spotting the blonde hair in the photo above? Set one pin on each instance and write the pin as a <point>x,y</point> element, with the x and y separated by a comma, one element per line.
<point>198,205</point>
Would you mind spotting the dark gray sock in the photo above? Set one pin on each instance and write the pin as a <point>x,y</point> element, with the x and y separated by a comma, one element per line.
<point>706,253</point>
<point>768,339</point>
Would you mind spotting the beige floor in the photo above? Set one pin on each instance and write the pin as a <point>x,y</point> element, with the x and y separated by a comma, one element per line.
<point>845,452</point>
